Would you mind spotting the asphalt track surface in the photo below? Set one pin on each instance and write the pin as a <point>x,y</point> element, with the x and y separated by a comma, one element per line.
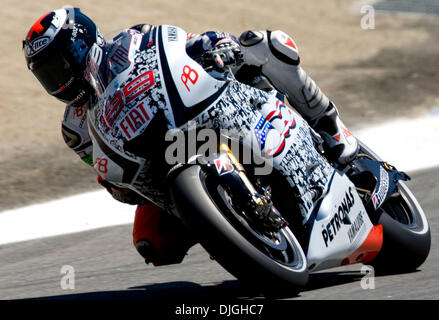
<point>408,6</point>
<point>106,266</point>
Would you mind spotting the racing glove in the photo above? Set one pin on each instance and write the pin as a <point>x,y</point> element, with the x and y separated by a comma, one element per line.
<point>225,53</point>
<point>217,50</point>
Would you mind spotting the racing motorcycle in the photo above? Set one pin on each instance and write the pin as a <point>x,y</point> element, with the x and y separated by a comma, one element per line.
<point>301,215</point>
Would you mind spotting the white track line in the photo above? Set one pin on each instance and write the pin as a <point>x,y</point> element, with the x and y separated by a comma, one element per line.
<point>73,214</point>
<point>409,144</point>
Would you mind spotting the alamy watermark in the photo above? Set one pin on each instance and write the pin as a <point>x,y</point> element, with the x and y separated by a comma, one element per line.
<point>183,145</point>
<point>368,280</point>
<point>368,19</point>
<point>68,279</point>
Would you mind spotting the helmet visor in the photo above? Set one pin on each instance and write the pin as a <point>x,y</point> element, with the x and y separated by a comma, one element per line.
<point>54,73</point>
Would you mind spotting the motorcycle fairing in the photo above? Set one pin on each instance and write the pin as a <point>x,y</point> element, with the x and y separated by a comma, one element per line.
<point>127,96</point>
<point>132,91</point>
<point>190,89</point>
<point>339,226</point>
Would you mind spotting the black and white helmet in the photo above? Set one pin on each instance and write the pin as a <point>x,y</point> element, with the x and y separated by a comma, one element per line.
<point>55,49</point>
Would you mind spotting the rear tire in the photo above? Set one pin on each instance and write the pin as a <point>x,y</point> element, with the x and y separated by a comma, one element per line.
<point>406,233</point>
<point>275,268</point>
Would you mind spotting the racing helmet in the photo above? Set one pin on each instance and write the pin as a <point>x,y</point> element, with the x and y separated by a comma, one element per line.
<point>55,49</point>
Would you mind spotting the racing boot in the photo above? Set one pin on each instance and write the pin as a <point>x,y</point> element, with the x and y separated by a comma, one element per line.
<point>339,144</point>
<point>159,238</point>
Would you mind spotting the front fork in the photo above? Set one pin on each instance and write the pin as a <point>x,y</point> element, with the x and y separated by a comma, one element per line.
<point>232,173</point>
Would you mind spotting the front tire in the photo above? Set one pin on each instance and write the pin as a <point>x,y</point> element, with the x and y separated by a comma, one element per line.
<point>277,265</point>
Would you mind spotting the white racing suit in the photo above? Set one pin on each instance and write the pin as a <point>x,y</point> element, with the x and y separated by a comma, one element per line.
<point>261,59</point>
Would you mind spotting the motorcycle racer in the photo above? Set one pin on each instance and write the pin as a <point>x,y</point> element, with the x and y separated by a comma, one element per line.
<point>56,50</point>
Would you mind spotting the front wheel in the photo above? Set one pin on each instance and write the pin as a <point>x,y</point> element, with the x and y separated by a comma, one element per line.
<point>269,260</point>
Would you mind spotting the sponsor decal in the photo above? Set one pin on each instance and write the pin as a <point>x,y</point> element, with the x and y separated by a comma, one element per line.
<point>223,165</point>
<point>37,45</point>
<point>290,43</point>
<point>101,165</point>
<point>172,34</point>
<point>80,113</point>
<point>120,56</point>
<point>380,195</point>
<point>355,227</point>
<point>189,74</point>
<point>134,121</point>
<point>74,33</point>
<point>331,229</point>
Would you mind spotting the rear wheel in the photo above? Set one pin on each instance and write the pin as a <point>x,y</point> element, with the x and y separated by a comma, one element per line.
<point>406,233</point>
<point>269,259</point>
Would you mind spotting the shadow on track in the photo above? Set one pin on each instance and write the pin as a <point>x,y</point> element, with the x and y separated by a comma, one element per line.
<point>168,291</point>
<point>190,291</point>
<point>323,280</point>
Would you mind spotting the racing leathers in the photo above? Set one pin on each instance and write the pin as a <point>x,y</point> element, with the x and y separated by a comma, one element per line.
<point>262,59</point>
